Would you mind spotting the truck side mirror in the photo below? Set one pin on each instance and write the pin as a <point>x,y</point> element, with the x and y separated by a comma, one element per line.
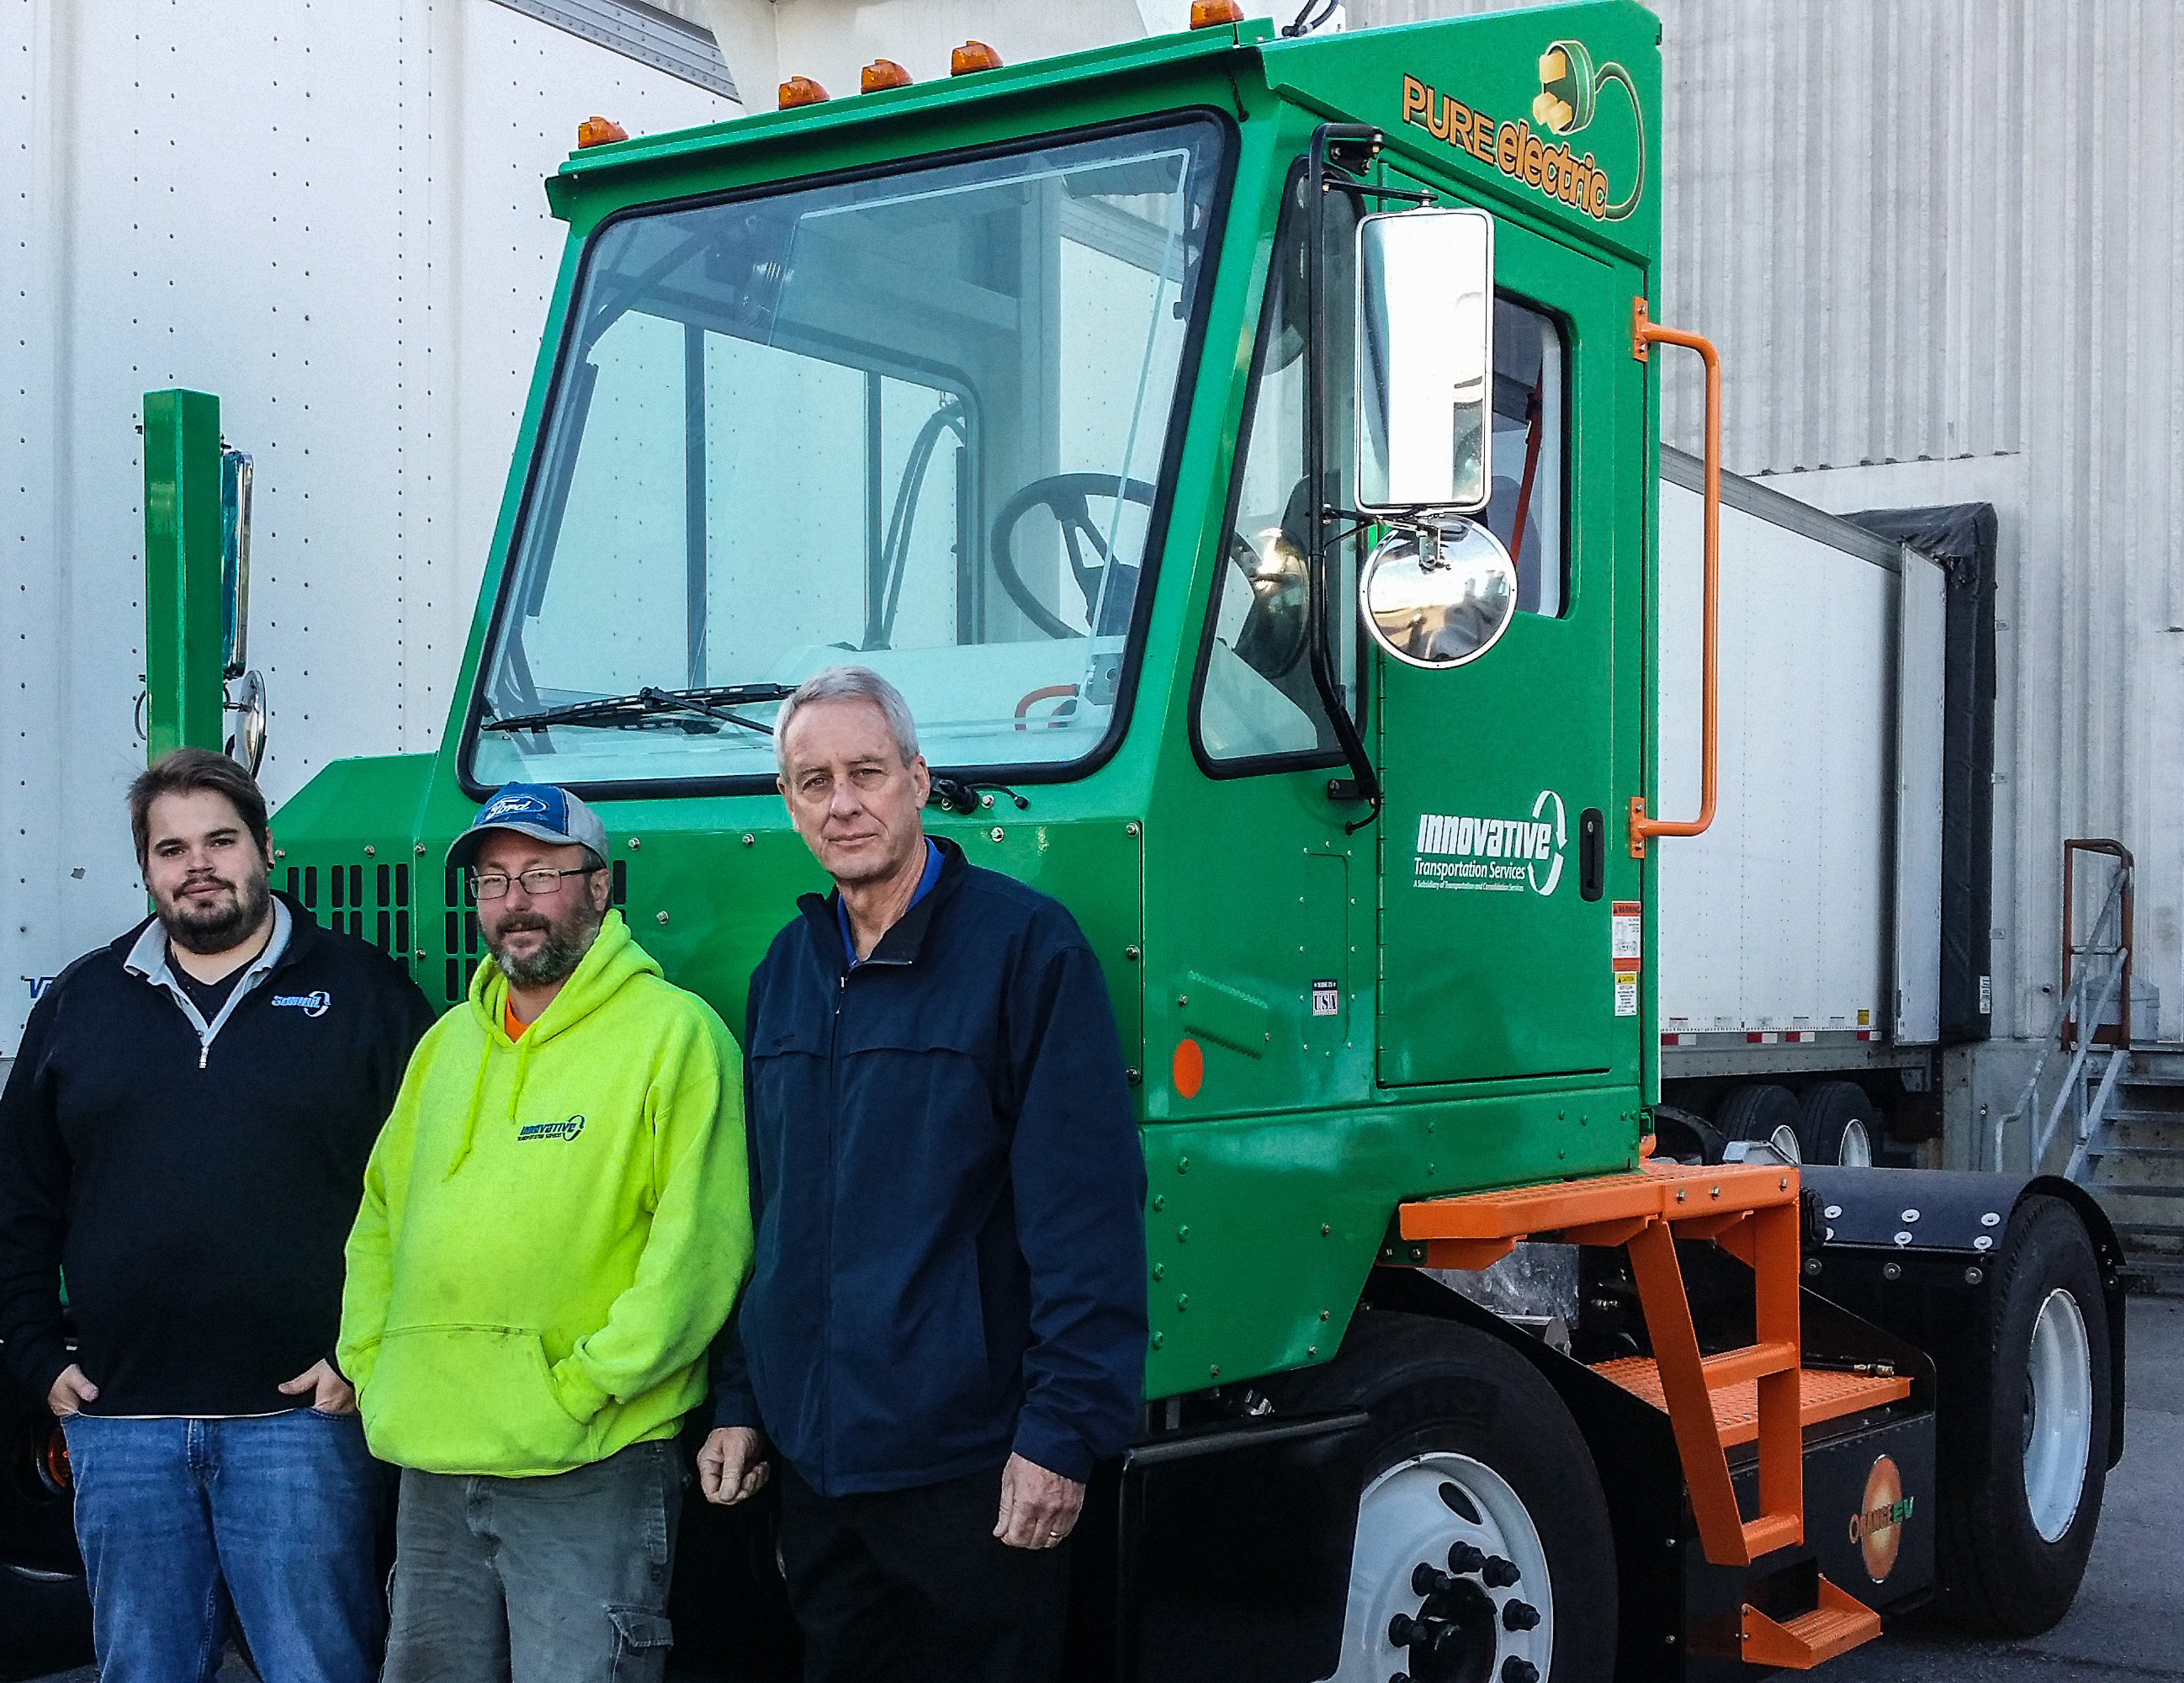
<point>1425,361</point>
<point>234,562</point>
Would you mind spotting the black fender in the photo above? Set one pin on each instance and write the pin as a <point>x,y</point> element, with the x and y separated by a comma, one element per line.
<point>1934,1228</point>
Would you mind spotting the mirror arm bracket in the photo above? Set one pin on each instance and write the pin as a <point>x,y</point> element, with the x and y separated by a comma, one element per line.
<point>1350,138</point>
<point>1366,189</point>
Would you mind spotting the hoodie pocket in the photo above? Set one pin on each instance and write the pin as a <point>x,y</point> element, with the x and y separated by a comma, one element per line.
<point>459,1397</point>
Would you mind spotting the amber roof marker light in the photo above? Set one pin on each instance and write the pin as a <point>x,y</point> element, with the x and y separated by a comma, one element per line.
<point>799,91</point>
<point>1214,13</point>
<point>599,132</point>
<point>973,55</point>
<point>882,74</point>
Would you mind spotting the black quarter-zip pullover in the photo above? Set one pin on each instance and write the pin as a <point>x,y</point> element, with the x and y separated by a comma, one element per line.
<point>195,1192</point>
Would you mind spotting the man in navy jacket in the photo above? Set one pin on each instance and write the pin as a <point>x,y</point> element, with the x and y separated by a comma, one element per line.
<point>946,1327</point>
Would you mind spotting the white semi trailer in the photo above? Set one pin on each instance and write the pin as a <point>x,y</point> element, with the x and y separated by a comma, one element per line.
<point>1804,987</point>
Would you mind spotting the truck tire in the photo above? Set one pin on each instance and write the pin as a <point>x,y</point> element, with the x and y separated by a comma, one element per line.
<point>1838,1125</point>
<point>1482,1547</point>
<point>2024,1435</point>
<point>1763,1111</point>
<point>44,1622</point>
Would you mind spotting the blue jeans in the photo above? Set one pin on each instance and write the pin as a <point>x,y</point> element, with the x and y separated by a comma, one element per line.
<point>180,1519</point>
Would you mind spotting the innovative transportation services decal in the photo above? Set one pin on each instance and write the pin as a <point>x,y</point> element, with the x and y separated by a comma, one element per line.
<point>1878,1526</point>
<point>1499,856</point>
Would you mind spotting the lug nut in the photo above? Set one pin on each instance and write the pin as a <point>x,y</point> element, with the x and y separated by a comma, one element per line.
<point>1515,1671</point>
<point>1462,1558</point>
<point>1426,1581</point>
<point>1498,1574</point>
<point>1519,1616</point>
<point>1403,1630</point>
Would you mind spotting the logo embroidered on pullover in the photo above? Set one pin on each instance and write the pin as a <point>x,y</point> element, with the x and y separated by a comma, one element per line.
<point>551,1130</point>
<point>311,1005</point>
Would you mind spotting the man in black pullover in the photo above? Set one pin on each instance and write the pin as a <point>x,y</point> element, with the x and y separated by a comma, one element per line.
<point>184,1135</point>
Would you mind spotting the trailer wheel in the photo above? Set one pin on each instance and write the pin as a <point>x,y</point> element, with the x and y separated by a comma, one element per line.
<point>2024,1435</point>
<point>1764,1113</point>
<point>1836,1125</point>
<point>1483,1551</point>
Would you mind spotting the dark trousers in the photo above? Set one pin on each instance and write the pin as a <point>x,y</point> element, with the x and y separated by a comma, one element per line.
<point>913,1586</point>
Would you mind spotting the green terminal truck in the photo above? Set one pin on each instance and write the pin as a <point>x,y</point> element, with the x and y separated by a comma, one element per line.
<point>1240,451</point>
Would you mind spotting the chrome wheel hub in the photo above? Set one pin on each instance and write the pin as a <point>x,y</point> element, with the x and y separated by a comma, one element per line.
<point>1448,1581</point>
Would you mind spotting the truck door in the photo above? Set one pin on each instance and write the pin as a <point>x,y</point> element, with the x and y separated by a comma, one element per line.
<point>1500,797</point>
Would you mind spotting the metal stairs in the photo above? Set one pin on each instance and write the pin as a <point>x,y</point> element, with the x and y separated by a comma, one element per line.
<point>2125,1102</point>
<point>2131,1157</point>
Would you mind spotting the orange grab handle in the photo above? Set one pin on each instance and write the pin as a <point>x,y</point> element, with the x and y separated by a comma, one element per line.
<point>1644,333</point>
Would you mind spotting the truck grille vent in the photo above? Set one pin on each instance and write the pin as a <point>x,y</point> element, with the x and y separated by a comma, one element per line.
<point>369,901</point>
<point>465,948</point>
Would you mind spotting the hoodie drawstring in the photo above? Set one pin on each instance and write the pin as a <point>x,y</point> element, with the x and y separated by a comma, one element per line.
<point>470,1113</point>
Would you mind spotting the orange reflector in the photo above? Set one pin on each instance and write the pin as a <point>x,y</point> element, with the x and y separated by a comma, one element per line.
<point>882,73</point>
<point>973,55</point>
<point>799,91</point>
<point>58,1473</point>
<point>598,132</point>
<point>1186,1068</point>
<point>1212,14</point>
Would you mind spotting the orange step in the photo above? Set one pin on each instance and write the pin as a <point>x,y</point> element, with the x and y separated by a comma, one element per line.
<point>1839,1624</point>
<point>1822,1394</point>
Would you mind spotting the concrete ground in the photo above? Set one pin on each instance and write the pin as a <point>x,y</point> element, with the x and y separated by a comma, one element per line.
<point>2128,1623</point>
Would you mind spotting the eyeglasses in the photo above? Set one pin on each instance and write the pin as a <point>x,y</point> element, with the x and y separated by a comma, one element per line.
<point>545,880</point>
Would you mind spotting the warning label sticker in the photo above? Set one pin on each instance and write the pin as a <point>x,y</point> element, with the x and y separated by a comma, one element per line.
<point>1626,993</point>
<point>1625,937</point>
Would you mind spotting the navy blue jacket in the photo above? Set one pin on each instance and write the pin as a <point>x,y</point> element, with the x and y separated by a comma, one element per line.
<point>949,1196</point>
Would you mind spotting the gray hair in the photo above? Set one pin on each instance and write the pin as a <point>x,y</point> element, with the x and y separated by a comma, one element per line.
<point>848,684</point>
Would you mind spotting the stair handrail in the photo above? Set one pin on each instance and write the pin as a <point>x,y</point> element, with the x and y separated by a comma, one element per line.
<point>2073,1078</point>
<point>2070,1006</point>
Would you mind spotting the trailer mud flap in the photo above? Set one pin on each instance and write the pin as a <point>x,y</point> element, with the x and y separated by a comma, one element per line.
<point>1234,1551</point>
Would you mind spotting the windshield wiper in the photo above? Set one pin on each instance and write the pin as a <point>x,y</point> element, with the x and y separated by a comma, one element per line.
<point>634,712</point>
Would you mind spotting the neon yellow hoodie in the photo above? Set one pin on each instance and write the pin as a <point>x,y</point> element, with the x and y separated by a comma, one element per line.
<point>553,1229</point>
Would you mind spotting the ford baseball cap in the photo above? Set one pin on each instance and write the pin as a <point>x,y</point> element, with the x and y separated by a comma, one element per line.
<point>539,810</point>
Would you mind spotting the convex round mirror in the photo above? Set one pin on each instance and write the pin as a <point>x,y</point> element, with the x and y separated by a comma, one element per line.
<point>1438,596</point>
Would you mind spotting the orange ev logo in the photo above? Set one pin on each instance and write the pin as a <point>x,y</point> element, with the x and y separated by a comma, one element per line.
<point>1877,1527</point>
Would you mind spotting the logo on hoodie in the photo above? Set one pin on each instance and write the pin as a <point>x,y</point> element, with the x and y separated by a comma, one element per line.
<point>311,1005</point>
<point>551,1130</point>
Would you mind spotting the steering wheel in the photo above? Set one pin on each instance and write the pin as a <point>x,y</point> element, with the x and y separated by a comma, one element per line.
<point>1063,494</point>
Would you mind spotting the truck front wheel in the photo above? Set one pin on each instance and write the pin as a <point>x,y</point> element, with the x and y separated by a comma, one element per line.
<point>1483,1551</point>
<point>2024,1432</point>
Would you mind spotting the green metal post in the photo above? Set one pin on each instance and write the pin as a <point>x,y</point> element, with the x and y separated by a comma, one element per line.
<point>183,626</point>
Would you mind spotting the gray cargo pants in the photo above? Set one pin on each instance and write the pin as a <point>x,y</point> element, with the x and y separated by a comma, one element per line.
<point>560,1579</point>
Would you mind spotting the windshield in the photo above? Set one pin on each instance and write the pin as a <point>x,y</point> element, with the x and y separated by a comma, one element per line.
<point>914,422</point>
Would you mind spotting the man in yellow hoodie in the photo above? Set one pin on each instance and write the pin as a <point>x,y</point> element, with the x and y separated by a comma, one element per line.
<point>555,1223</point>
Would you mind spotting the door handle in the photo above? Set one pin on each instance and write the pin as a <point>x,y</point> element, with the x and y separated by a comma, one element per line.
<point>1643,335</point>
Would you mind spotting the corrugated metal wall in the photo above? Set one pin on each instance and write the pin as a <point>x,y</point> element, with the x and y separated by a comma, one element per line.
<point>1946,235</point>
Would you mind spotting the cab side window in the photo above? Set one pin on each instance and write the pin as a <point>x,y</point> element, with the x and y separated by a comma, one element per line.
<point>1529,410</point>
<point>1256,701</point>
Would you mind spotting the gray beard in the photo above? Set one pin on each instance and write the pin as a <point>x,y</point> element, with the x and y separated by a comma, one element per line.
<point>555,961</point>
<point>226,930</point>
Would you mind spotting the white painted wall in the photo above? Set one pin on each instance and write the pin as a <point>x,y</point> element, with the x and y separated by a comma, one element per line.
<point>329,214</point>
